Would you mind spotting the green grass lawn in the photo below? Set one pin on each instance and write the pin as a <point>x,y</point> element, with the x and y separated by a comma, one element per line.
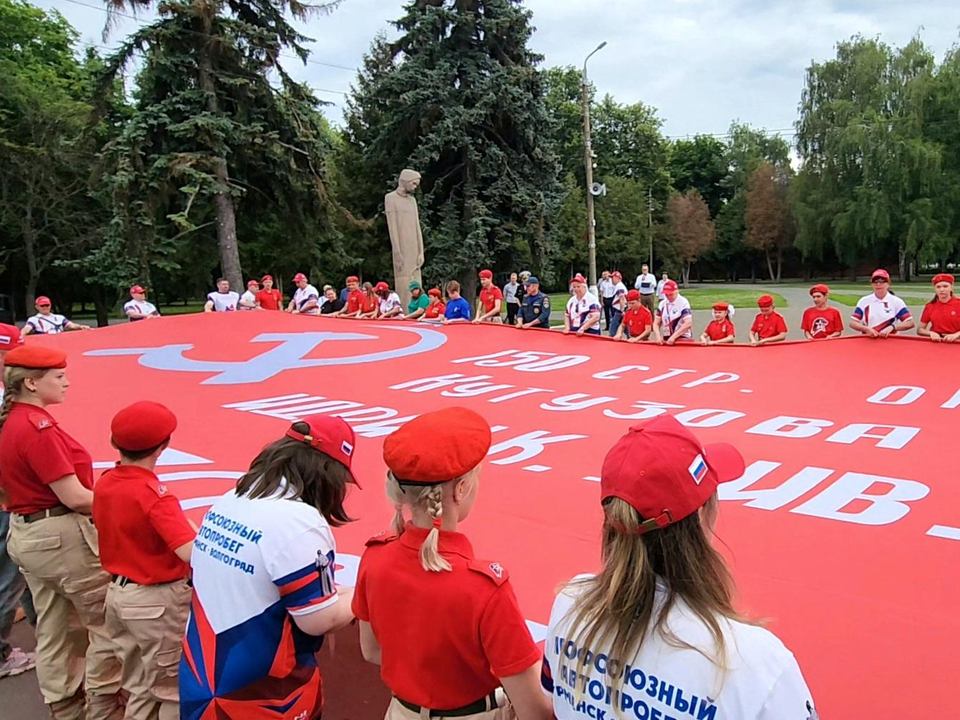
<point>849,300</point>
<point>700,299</point>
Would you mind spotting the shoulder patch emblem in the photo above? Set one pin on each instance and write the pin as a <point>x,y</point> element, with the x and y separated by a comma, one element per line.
<point>493,570</point>
<point>161,490</point>
<point>40,421</point>
<point>382,538</point>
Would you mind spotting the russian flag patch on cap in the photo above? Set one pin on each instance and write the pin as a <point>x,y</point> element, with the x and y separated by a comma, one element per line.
<point>346,448</point>
<point>698,469</point>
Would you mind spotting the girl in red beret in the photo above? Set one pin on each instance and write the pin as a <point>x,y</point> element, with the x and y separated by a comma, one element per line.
<point>443,625</point>
<point>940,320</point>
<point>720,330</point>
<point>48,483</point>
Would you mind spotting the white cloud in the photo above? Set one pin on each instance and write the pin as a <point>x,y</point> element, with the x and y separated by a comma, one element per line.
<point>701,63</point>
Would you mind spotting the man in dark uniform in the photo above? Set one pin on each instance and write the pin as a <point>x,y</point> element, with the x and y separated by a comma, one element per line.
<point>535,308</point>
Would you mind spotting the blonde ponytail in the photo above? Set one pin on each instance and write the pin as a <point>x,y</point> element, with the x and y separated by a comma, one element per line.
<point>430,498</point>
<point>13,378</point>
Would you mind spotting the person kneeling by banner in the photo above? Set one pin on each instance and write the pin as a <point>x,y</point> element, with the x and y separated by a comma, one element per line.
<point>661,605</point>
<point>145,544</point>
<point>444,626</point>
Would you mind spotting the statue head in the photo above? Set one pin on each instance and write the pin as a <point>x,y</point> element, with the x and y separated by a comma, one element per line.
<point>409,182</point>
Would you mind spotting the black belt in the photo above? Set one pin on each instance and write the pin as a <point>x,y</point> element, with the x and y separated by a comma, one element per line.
<point>482,705</point>
<point>123,581</point>
<point>48,513</point>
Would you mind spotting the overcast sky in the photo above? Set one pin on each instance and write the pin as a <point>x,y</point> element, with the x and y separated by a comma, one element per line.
<point>701,63</point>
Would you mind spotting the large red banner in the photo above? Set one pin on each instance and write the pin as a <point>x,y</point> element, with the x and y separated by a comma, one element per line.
<point>844,533</point>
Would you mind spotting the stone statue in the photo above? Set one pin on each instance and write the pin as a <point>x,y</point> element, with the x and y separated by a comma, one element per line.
<point>406,238</point>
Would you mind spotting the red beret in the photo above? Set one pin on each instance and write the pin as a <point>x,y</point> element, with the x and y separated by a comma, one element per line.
<point>266,277</point>
<point>36,357</point>
<point>721,306</point>
<point>437,446</point>
<point>353,278</point>
<point>822,289</point>
<point>943,277</point>
<point>578,278</point>
<point>486,274</point>
<point>633,294</point>
<point>9,337</point>
<point>765,301</point>
<point>435,292</point>
<point>142,426</point>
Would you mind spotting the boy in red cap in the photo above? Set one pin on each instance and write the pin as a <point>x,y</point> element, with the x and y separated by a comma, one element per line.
<point>46,322</point>
<point>306,299</point>
<point>437,307</point>
<point>662,604</point>
<point>443,625</point>
<point>269,298</point>
<point>881,314</point>
<point>769,325</point>
<point>940,320</point>
<point>490,301</point>
<point>582,314</point>
<point>137,307</point>
<point>720,331</point>
<point>145,544</point>
<point>355,298</point>
<point>821,322</point>
<point>637,323</point>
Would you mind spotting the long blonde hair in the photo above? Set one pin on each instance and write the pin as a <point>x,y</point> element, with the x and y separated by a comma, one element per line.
<point>430,498</point>
<point>618,607</point>
<point>13,378</point>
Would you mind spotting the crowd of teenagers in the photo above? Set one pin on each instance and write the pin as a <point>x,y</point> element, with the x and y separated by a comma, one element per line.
<point>652,310</point>
<point>141,614</point>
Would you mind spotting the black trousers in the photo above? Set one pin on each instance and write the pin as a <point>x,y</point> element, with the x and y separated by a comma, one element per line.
<point>512,309</point>
<point>607,309</point>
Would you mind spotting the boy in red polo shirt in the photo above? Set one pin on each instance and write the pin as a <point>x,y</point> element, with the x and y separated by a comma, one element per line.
<point>637,323</point>
<point>269,298</point>
<point>720,330</point>
<point>436,307</point>
<point>145,543</point>
<point>769,325</point>
<point>821,321</point>
<point>491,299</point>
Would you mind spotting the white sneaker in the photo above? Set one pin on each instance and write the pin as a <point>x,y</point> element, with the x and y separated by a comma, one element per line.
<point>18,662</point>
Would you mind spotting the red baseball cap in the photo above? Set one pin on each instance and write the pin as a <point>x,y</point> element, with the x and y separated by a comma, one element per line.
<point>765,301</point>
<point>36,357</point>
<point>331,436</point>
<point>381,286</point>
<point>822,289</point>
<point>664,473</point>
<point>137,289</point>
<point>252,283</point>
<point>881,273</point>
<point>633,294</point>
<point>298,277</point>
<point>721,306</point>
<point>9,337</point>
<point>616,273</point>
<point>142,426</point>
<point>353,278</point>
<point>266,277</point>
<point>42,300</point>
<point>578,278</point>
<point>486,274</point>
<point>670,286</point>
<point>943,277</point>
<point>437,446</point>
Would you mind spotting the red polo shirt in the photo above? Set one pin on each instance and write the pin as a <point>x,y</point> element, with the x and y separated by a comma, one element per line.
<point>140,524</point>
<point>445,637</point>
<point>637,320</point>
<point>944,316</point>
<point>35,452</point>
<point>269,299</point>
<point>719,329</point>
<point>821,323</point>
<point>769,326</point>
<point>355,300</point>
<point>489,297</point>
<point>432,312</point>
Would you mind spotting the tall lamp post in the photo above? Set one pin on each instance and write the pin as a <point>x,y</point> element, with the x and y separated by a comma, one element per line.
<point>588,168</point>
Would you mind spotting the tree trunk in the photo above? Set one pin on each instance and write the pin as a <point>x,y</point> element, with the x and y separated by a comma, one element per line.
<point>685,274</point>
<point>100,306</point>
<point>753,269</point>
<point>902,262</point>
<point>30,253</point>
<point>779,263</point>
<point>223,201</point>
<point>769,259</point>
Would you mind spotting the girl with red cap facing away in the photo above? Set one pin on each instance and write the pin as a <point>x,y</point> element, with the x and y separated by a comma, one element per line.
<point>263,581</point>
<point>145,544</point>
<point>940,320</point>
<point>655,629</point>
<point>769,325</point>
<point>720,331</point>
<point>821,322</point>
<point>47,479</point>
<point>443,625</point>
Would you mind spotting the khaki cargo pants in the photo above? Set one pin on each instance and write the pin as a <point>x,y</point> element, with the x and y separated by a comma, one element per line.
<point>148,622</point>
<point>60,560</point>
